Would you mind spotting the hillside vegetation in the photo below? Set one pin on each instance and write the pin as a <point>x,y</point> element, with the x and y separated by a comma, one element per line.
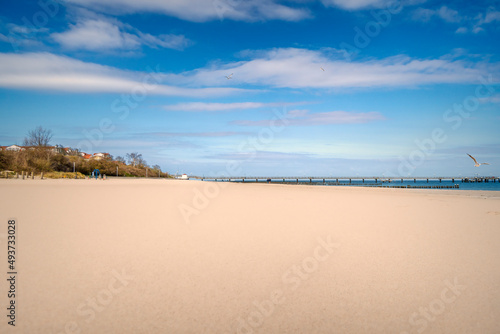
<point>41,159</point>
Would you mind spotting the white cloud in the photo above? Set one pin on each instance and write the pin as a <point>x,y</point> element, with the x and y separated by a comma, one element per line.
<point>300,68</point>
<point>45,71</point>
<point>99,35</point>
<point>481,20</point>
<point>368,4</point>
<point>24,37</point>
<point>4,38</point>
<point>492,16</point>
<point>204,106</point>
<point>202,10</point>
<point>278,68</point>
<point>446,14</point>
<point>469,24</point>
<point>29,31</point>
<point>195,134</point>
<point>449,15</point>
<point>169,41</point>
<point>96,35</point>
<point>358,4</point>
<point>477,30</point>
<point>306,118</point>
<point>423,14</point>
<point>492,99</point>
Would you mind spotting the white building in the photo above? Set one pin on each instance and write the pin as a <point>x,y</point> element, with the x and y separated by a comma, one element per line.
<point>15,148</point>
<point>99,156</point>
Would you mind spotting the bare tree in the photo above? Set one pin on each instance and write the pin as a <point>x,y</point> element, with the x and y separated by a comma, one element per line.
<point>134,158</point>
<point>120,159</point>
<point>38,137</point>
<point>142,163</point>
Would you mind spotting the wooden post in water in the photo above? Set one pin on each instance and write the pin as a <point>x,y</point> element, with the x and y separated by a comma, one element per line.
<point>32,175</point>
<point>22,173</point>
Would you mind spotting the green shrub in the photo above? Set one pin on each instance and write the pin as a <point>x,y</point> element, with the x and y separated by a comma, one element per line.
<point>63,175</point>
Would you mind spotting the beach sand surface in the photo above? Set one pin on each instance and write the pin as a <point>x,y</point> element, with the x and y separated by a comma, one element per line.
<point>171,256</point>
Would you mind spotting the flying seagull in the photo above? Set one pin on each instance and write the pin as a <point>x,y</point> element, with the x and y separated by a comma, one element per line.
<point>322,68</point>
<point>477,163</point>
<point>229,76</point>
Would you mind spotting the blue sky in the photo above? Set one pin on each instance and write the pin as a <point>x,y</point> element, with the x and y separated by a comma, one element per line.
<point>259,87</point>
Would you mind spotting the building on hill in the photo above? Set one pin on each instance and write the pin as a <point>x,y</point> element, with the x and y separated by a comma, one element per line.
<point>59,149</point>
<point>68,151</point>
<point>15,148</point>
<point>85,155</point>
<point>100,156</point>
<point>56,149</point>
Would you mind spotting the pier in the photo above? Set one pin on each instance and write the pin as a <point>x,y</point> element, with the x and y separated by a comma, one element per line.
<point>347,180</point>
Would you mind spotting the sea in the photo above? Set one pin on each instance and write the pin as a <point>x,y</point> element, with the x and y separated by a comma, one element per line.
<point>431,184</point>
<point>435,184</point>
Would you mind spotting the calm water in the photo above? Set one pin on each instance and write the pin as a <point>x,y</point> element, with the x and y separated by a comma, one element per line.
<point>462,186</point>
<point>494,186</point>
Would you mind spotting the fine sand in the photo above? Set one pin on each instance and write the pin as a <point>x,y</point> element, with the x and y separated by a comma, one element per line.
<point>165,256</point>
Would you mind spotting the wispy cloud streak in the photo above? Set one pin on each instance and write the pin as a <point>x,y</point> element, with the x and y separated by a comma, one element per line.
<point>300,68</point>
<point>306,118</point>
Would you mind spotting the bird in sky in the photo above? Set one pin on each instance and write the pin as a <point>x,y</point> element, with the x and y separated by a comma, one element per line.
<point>477,163</point>
<point>322,68</point>
<point>229,76</point>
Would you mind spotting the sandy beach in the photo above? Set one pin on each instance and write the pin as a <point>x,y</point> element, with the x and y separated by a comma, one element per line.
<point>171,256</point>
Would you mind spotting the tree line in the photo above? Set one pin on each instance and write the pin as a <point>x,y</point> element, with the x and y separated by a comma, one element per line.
<point>40,157</point>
